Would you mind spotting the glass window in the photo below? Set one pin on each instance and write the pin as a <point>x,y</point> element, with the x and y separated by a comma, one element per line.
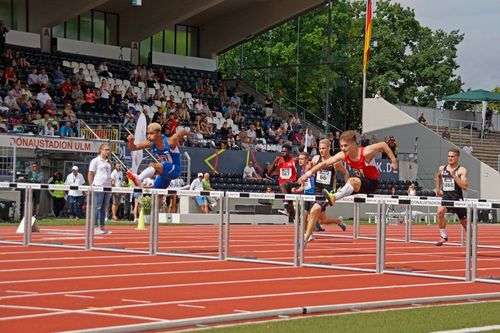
<point>158,42</point>
<point>111,29</point>
<point>144,50</point>
<point>58,31</point>
<point>98,36</point>
<point>181,40</point>
<point>5,13</point>
<point>72,28</point>
<point>169,41</point>
<point>86,27</point>
<point>193,41</point>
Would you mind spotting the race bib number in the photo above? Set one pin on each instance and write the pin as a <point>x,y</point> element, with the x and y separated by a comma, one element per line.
<point>307,184</point>
<point>285,173</point>
<point>448,184</point>
<point>324,177</point>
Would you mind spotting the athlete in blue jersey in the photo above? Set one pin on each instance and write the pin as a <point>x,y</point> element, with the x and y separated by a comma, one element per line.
<point>166,150</point>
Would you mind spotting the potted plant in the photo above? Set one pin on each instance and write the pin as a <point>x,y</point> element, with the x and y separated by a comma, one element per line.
<point>146,207</point>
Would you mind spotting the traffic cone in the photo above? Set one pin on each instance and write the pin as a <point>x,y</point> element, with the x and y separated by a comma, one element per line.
<point>140,224</point>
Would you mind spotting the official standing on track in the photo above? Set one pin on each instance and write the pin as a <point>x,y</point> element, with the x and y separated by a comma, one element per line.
<point>100,175</point>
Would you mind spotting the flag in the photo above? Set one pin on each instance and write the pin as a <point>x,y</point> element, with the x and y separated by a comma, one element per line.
<point>368,34</point>
<point>139,137</point>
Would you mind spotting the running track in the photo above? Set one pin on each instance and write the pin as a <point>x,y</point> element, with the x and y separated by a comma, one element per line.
<point>45,289</point>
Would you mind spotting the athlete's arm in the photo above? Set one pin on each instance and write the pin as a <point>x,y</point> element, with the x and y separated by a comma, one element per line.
<point>461,178</point>
<point>274,165</point>
<point>340,167</point>
<point>438,191</point>
<point>371,150</point>
<point>174,140</point>
<point>320,166</point>
<point>132,146</point>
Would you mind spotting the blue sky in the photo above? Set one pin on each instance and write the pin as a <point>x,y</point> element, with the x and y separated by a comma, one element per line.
<point>479,20</point>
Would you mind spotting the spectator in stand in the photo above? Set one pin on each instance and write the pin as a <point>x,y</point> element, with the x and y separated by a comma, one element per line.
<point>50,108</point>
<point>206,108</point>
<point>33,81</point>
<point>3,32</point>
<point>25,90</point>
<point>117,94</point>
<point>150,78</point>
<point>10,101</point>
<point>235,102</point>
<point>298,137</point>
<point>89,100</point>
<point>391,142</point>
<point>374,138</point>
<point>206,128</point>
<point>43,78</point>
<point>421,119</point>
<point>48,130</point>
<point>79,78</point>
<point>231,139</point>
<point>310,139</point>
<point>468,147</point>
<point>378,94</point>
<point>249,172</point>
<point>130,96</point>
<point>198,106</point>
<point>42,97</point>
<point>201,200</point>
<point>446,134</point>
<point>36,176</point>
<point>271,134</point>
<point>412,190</point>
<point>19,61</point>
<point>251,134</point>
<point>9,76</point>
<point>66,89</point>
<point>77,96</point>
<point>268,104</point>
<point>25,105</point>
<point>16,92</point>
<point>184,112</point>
<point>364,140</point>
<point>3,125</point>
<point>172,124</point>
<point>103,70</point>
<point>66,130</point>
<point>75,198</point>
<point>58,76</point>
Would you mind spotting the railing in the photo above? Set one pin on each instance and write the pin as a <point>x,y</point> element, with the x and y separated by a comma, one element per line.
<point>498,163</point>
<point>461,127</point>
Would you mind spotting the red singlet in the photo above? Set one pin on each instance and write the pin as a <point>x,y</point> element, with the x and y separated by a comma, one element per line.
<point>287,170</point>
<point>361,168</point>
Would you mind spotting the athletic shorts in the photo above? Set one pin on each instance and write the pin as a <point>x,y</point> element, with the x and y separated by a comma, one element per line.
<point>36,196</point>
<point>368,186</point>
<point>201,200</point>
<point>308,205</point>
<point>461,212</point>
<point>170,171</point>
<point>289,186</point>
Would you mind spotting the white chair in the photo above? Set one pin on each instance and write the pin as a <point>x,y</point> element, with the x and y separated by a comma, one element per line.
<point>93,72</point>
<point>74,64</point>
<point>90,66</point>
<point>170,87</point>
<point>97,84</point>
<point>126,83</point>
<point>157,103</point>
<point>177,88</point>
<point>111,82</point>
<point>82,65</point>
<point>75,69</point>
<point>137,91</point>
<point>156,85</point>
<point>85,71</point>
<point>218,115</point>
<point>154,109</point>
<point>141,84</point>
<point>139,107</point>
<point>88,78</point>
<point>66,63</point>
<point>181,94</point>
<point>230,122</point>
<point>152,91</point>
<point>118,82</point>
<point>177,100</point>
<point>188,95</point>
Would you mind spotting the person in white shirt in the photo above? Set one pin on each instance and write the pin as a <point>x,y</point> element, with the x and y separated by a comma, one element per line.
<point>43,97</point>
<point>116,181</point>
<point>75,197</point>
<point>468,148</point>
<point>249,172</point>
<point>100,175</point>
<point>201,200</point>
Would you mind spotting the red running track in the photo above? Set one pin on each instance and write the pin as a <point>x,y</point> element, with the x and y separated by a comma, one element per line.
<point>44,289</point>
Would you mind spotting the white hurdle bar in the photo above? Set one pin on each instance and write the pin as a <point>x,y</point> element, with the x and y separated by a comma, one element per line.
<point>471,237</point>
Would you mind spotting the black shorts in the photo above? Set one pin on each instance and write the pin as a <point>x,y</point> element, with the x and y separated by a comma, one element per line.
<point>461,212</point>
<point>36,196</point>
<point>308,205</point>
<point>288,186</point>
<point>368,186</point>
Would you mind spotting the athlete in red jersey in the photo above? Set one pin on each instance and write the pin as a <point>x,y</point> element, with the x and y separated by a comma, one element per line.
<point>287,175</point>
<point>362,162</point>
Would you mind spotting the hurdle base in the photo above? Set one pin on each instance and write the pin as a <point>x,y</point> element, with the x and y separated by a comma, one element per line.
<point>215,218</point>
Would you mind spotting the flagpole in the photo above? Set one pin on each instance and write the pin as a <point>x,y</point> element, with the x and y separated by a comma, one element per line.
<point>366,50</point>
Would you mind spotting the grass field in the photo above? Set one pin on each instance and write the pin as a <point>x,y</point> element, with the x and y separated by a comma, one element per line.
<point>424,319</point>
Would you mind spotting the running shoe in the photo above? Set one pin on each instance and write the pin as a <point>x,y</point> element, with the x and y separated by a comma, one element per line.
<point>341,224</point>
<point>329,196</point>
<point>98,231</point>
<point>133,178</point>
<point>317,227</point>
<point>310,239</point>
<point>441,241</point>
<point>283,212</point>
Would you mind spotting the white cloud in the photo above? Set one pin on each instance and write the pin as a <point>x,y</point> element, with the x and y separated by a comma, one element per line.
<point>479,20</point>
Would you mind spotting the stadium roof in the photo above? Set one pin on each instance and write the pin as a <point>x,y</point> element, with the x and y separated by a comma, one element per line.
<point>222,23</point>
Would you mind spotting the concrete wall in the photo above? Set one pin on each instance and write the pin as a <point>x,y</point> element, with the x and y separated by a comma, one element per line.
<point>21,38</point>
<point>174,60</point>
<point>385,119</point>
<point>91,49</point>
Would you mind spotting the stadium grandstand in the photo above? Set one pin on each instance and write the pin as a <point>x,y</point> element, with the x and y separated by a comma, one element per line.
<point>80,79</point>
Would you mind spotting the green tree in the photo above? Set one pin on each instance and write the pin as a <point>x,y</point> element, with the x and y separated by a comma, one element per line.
<point>410,65</point>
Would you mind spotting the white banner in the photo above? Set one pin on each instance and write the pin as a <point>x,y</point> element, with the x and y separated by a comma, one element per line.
<point>48,143</point>
<point>139,137</point>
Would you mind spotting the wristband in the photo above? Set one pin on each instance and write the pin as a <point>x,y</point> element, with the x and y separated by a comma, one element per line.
<point>308,174</point>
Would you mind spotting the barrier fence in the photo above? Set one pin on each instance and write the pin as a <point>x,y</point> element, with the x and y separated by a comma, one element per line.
<point>365,249</point>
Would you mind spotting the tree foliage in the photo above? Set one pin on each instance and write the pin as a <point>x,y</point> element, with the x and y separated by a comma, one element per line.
<point>411,64</point>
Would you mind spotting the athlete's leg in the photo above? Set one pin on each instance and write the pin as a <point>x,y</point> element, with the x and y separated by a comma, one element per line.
<point>441,212</point>
<point>352,185</point>
<point>286,188</point>
<point>312,219</point>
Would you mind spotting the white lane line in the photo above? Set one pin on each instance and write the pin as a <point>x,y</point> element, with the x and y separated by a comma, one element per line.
<point>142,274</point>
<point>21,292</point>
<point>69,258</point>
<point>472,329</point>
<point>192,306</point>
<point>241,311</point>
<point>135,301</point>
<point>78,296</point>
<point>215,283</point>
<point>56,312</point>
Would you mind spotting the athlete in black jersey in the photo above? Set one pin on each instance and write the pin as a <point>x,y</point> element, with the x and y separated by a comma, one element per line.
<point>324,179</point>
<point>451,180</point>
